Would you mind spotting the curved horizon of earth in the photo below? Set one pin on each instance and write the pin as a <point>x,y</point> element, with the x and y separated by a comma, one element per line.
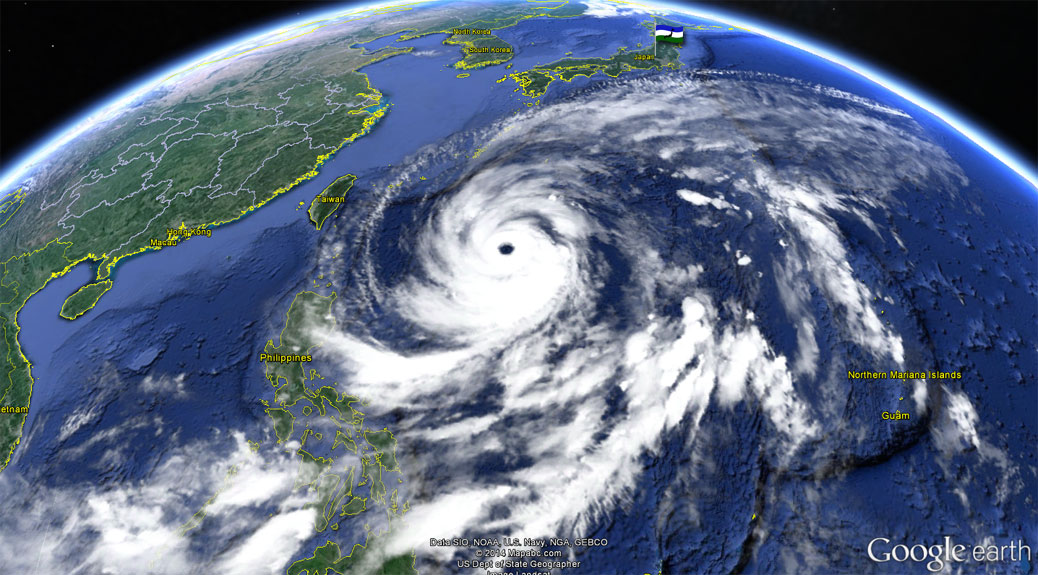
<point>518,291</point>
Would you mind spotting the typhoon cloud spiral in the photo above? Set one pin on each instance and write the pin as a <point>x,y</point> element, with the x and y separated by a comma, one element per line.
<point>514,287</point>
<point>502,255</point>
<point>572,308</point>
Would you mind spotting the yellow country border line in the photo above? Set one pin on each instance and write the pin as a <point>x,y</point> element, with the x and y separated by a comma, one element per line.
<point>396,51</point>
<point>347,489</point>
<point>14,197</point>
<point>106,283</point>
<point>331,299</point>
<point>366,127</point>
<point>655,9</point>
<point>594,67</point>
<point>497,23</point>
<point>314,201</point>
<point>378,453</point>
<point>104,273</point>
<point>196,520</point>
<point>281,340</point>
<point>367,539</point>
<point>597,68</point>
<point>564,2</point>
<point>4,396</point>
<point>11,195</point>
<point>453,40</point>
<point>18,329</point>
<point>330,21</point>
<point>303,454</point>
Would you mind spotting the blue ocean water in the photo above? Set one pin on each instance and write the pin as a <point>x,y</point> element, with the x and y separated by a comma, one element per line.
<point>205,308</point>
<point>211,303</point>
<point>159,316</point>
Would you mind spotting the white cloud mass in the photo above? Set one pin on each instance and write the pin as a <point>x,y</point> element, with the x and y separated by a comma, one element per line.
<point>529,320</point>
<point>137,526</point>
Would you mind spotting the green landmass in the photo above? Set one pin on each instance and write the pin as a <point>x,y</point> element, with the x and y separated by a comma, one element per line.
<point>354,506</point>
<point>535,81</point>
<point>310,468</point>
<point>336,489</point>
<point>327,495</point>
<point>21,277</point>
<point>385,448</point>
<point>321,207</point>
<point>371,475</point>
<point>329,559</point>
<point>206,149</point>
<point>84,299</point>
<point>493,17</point>
<point>289,379</point>
<point>284,421</point>
<point>345,440</point>
<point>343,406</point>
<point>216,142</point>
<point>10,206</point>
<point>294,393</point>
<point>194,167</point>
<point>497,51</point>
<point>496,16</point>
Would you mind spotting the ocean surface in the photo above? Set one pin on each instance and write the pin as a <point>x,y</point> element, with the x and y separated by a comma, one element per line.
<point>170,353</point>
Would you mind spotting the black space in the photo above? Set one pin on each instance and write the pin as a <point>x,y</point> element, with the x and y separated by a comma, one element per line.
<point>59,59</point>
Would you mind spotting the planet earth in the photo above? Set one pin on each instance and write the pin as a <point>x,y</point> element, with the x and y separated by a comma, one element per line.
<point>510,287</point>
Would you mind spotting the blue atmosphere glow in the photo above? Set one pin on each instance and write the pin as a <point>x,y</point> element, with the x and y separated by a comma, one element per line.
<point>244,41</point>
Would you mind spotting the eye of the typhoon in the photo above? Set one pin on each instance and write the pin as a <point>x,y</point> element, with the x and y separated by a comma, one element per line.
<point>765,314</point>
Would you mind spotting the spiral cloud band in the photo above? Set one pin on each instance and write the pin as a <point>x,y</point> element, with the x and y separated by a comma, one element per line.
<point>605,276</point>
